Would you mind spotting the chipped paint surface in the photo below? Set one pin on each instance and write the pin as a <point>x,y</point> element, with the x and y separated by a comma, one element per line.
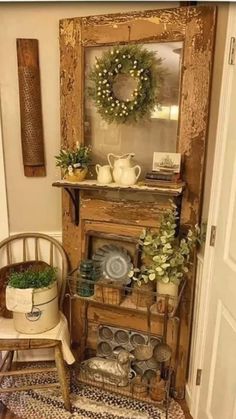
<point>169,16</point>
<point>195,26</point>
<point>68,32</point>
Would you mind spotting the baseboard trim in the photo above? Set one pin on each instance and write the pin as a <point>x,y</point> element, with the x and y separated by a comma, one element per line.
<point>188,396</point>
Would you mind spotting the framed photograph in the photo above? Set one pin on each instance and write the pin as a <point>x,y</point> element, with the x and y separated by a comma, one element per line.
<point>166,162</point>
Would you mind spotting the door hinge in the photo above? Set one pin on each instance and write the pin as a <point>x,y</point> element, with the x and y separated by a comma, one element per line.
<point>198,377</point>
<point>232,50</point>
<point>213,236</point>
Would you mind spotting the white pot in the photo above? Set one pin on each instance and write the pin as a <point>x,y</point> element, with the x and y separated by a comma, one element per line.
<point>171,289</point>
<point>44,315</point>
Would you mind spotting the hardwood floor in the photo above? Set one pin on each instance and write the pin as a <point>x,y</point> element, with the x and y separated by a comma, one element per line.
<point>6,414</point>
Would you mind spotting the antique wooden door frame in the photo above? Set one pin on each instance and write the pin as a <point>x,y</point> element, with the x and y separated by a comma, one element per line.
<point>4,222</point>
<point>195,26</point>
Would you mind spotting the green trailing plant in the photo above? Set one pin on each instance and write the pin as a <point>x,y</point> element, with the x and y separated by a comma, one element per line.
<point>166,257</point>
<point>137,62</point>
<point>33,279</point>
<point>78,157</point>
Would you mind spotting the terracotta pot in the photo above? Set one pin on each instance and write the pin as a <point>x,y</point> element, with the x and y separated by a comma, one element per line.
<point>77,175</point>
<point>171,289</point>
<point>44,315</point>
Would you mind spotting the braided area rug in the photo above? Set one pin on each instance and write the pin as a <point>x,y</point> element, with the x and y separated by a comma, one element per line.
<point>88,402</point>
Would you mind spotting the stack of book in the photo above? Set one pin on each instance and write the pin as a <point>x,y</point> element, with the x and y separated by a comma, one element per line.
<point>166,179</point>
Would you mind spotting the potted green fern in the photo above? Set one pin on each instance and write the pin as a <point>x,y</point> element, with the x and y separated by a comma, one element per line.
<point>166,257</point>
<point>32,295</point>
<point>74,162</point>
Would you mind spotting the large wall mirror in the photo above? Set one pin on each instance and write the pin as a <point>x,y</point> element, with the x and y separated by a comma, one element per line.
<point>158,133</point>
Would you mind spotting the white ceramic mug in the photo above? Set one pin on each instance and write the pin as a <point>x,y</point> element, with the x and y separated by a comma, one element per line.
<point>103,174</point>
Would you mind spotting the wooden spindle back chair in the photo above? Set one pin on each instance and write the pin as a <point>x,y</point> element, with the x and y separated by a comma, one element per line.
<point>35,247</point>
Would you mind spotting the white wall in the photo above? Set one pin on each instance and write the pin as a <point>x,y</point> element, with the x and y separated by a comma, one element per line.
<point>33,204</point>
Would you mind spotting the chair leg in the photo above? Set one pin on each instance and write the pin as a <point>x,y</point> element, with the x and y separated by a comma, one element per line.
<point>6,363</point>
<point>62,376</point>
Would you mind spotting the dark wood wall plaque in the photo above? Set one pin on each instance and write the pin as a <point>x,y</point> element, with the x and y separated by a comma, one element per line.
<point>30,107</point>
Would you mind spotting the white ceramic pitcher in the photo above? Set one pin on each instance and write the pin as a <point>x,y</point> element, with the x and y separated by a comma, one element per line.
<point>128,175</point>
<point>103,174</point>
<point>119,163</point>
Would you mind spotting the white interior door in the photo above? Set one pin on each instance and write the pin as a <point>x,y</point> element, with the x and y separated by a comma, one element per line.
<point>218,386</point>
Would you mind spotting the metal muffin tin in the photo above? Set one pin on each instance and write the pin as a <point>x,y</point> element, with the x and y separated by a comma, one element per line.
<point>111,340</point>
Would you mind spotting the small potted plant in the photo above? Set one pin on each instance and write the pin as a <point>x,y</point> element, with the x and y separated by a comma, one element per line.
<point>74,162</point>
<point>32,295</point>
<point>165,256</point>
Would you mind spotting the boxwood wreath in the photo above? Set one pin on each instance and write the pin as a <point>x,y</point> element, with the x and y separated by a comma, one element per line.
<point>137,62</point>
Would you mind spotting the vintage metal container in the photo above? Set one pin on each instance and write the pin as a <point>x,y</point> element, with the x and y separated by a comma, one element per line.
<point>44,315</point>
<point>111,340</point>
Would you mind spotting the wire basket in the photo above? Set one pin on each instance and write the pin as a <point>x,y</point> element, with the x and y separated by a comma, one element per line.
<point>142,389</point>
<point>104,292</point>
<point>143,296</point>
<point>108,294</point>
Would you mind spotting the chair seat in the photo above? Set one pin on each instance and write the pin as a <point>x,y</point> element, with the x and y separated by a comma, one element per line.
<point>13,340</point>
<point>23,344</point>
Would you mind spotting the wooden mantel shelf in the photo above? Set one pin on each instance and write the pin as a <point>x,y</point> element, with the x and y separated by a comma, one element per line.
<point>94,185</point>
<point>74,188</point>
